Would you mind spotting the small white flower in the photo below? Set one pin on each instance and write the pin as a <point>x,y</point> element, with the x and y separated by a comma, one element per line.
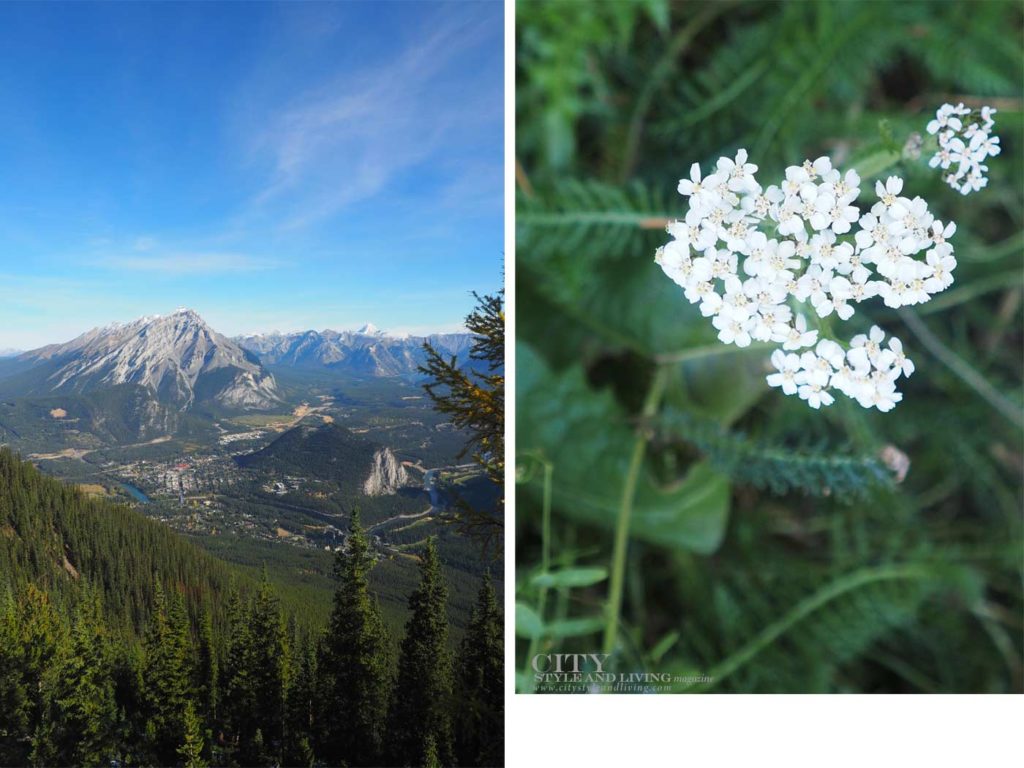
<point>944,119</point>
<point>731,330</point>
<point>739,172</point>
<point>702,191</point>
<point>941,262</point>
<point>787,366</point>
<point>888,194</point>
<point>798,183</point>
<point>815,395</point>
<point>884,398</point>
<point>914,274</point>
<point>830,352</point>
<point>845,188</point>
<point>899,360</point>
<point>939,235</point>
<point>964,145</point>
<point>983,144</point>
<point>811,286</point>
<point>797,336</point>
<point>865,348</point>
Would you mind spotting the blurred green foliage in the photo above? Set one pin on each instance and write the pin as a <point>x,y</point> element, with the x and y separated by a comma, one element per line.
<point>771,546</point>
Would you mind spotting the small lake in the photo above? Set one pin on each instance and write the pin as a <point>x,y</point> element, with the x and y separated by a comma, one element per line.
<point>135,493</point>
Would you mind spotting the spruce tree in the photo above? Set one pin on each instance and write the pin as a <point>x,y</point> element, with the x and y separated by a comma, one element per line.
<point>430,758</point>
<point>421,707</point>
<point>191,749</point>
<point>268,671</point>
<point>255,678</point>
<point>43,641</point>
<point>299,704</point>
<point>206,671</point>
<point>166,676</point>
<point>81,715</point>
<point>14,714</point>
<point>239,695</point>
<point>41,638</point>
<point>355,664</point>
<point>480,738</point>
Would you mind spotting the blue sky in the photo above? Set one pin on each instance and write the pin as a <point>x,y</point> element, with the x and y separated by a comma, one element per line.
<point>291,166</point>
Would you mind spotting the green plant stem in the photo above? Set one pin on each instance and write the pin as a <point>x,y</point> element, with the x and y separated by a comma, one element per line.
<point>709,350</point>
<point>545,559</point>
<point>807,606</point>
<point>618,568</point>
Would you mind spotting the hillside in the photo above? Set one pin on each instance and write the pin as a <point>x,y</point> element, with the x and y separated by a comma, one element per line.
<point>54,537</point>
<point>329,452</point>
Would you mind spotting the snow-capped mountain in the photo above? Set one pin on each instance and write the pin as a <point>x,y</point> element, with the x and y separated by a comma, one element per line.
<point>367,351</point>
<point>178,358</point>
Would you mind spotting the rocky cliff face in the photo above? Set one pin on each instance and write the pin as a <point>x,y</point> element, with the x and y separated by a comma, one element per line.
<point>387,475</point>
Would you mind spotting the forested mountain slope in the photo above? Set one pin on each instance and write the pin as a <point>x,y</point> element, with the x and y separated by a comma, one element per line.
<point>67,544</point>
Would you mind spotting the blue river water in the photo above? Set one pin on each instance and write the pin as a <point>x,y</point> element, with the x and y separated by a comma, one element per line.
<point>135,493</point>
<point>430,486</point>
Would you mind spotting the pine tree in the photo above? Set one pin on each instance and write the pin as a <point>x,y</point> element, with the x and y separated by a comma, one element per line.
<point>207,665</point>
<point>299,704</point>
<point>43,640</point>
<point>476,403</point>
<point>256,678</point>
<point>239,695</point>
<point>269,670</point>
<point>14,714</point>
<point>80,712</point>
<point>191,749</point>
<point>166,676</point>
<point>421,707</point>
<point>430,758</point>
<point>355,661</point>
<point>480,738</point>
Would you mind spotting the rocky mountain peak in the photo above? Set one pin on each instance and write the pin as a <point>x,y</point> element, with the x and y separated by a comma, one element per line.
<point>178,357</point>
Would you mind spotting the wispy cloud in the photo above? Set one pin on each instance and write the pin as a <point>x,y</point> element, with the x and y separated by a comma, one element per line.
<point>188,263</point>
<point>349,139</point>
<point>342,166</point>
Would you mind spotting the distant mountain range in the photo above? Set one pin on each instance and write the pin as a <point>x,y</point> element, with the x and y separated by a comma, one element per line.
<point>174,363</point>
<point>176,358</point>
<point>367,352</point>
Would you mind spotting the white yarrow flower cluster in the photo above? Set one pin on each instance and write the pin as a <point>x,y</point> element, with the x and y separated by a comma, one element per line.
<point>748,255</point>
<point>965,141</point>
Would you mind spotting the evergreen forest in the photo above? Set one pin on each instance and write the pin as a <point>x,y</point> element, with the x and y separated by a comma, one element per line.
<point>122,643</point>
